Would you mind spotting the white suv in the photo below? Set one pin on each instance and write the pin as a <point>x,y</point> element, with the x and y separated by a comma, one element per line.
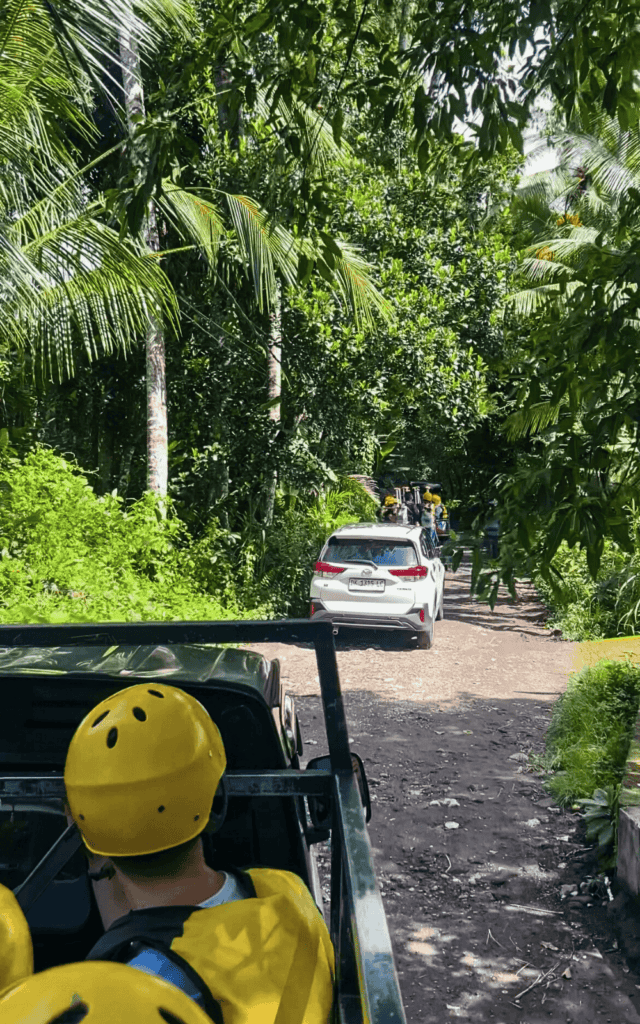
<point>380,576</point>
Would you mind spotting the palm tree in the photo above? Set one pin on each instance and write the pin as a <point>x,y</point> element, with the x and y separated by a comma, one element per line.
<point>335,260</point>
<point>67,279</point>
<point>580,214</point>
<point>584,197</point>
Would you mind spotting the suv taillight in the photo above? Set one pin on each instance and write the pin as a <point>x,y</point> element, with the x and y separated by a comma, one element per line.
<point>325,569</point>
<point>416,572</point>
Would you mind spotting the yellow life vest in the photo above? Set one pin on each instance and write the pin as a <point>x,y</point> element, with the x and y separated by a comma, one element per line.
<point>266,959</point>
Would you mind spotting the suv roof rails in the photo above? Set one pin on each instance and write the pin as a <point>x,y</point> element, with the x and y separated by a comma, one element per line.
<point>379,526</point>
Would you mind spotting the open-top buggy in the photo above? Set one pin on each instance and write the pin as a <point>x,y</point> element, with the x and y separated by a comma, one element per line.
<point>52,676</point>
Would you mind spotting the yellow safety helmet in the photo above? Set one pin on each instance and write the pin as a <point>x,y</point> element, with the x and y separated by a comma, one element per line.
<point>427,496</point>
<point>142,770</point>
<point>389,500</point>
<point>436,499</point>
<point>100,993</point>
<point>16,947</point>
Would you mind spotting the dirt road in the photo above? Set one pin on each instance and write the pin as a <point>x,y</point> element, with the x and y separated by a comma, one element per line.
<point>471,854</point>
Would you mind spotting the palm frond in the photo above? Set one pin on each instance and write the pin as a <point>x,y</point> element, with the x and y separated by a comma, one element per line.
<point>546,268</point>
<point>528,301</point>
<point>611,161</point>
<point>350,274</point>
<point>531,419</point>
<point>195,218</point>
<point>266,247</point>
<point>87,30</point>
<point>318,143</point>
<point>78,285</point>
<point>81,38</point>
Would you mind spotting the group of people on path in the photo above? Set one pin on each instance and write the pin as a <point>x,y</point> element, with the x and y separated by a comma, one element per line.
<point>429,512</point>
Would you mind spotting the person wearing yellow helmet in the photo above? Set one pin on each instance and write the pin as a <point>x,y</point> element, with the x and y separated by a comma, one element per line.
<point>16,946</point>
<point>97,993</point>
<point>141,774</point>
<point>390,509</point>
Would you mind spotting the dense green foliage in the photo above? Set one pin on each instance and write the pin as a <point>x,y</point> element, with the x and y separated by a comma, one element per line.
<point>436,62</point>
<point>271,568</point>
<point>373,262</point>
<point>587,607</point>
<point>575,378</point>
<point>591,728</point>
<point>420,387</point>
<point>67,554</point>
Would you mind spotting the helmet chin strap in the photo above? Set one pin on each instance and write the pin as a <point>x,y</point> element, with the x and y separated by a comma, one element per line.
<point>218,808</point>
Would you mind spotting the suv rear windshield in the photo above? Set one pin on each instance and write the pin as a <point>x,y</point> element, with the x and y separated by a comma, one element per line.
<point>381,552</point>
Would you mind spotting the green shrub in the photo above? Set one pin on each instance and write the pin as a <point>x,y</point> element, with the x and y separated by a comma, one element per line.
<point>601,819</point>
<point>591,728</point>
<point>584,608</point>
<point>271,567</point>
<point>609,606</point>
<point>68,555</point>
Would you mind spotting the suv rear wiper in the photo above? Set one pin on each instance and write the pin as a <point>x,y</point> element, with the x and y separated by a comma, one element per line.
<point>362,561</point>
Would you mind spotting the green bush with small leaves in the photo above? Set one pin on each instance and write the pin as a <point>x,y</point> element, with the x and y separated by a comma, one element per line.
<point>271,567</point>
<point>592,725</point>
<point>67,555</point>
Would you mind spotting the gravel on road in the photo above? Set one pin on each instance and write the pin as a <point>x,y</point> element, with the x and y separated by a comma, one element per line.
<point>494,903</point>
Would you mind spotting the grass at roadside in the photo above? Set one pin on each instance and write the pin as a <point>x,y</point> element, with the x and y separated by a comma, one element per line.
<point>591,730</point>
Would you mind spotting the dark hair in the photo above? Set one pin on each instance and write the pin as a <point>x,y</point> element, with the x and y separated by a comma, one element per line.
<point>156,865</point>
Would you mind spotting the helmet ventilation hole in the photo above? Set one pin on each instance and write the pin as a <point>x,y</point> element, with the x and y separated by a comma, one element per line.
<point>196,817</point>
<point>161,808</point>
<point>100,718</point>
<point>169,1017</point>
<point>139,714</point>
<point>72,1016</point>
<point>155,693</point>
<point>81,816</point>
<point>112,738</point>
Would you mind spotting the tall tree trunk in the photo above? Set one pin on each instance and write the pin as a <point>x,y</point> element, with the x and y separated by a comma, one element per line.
<point>274,370</point>
<point>157,430</point>
<point>405,14</point>
<point>229,120</point>
<point>105,445</point>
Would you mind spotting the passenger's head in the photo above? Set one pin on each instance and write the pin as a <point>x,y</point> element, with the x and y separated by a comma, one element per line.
<point>94,992</point>
<point>141,774</point>
<point>16,947</point>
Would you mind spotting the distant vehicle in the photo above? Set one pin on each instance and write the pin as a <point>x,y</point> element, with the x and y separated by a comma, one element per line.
<point>382,577</point>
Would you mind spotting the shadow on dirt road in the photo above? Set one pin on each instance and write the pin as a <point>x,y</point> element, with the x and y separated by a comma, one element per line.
<point>471,852</point>
<point>471,856</point>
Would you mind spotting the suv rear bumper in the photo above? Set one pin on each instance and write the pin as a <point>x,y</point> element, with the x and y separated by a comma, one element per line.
<point>410,622</point>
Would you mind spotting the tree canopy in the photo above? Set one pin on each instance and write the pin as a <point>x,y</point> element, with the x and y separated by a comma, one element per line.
<point>336,188</point>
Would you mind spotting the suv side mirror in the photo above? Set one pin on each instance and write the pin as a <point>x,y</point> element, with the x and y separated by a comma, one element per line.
<point>320,809</point>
